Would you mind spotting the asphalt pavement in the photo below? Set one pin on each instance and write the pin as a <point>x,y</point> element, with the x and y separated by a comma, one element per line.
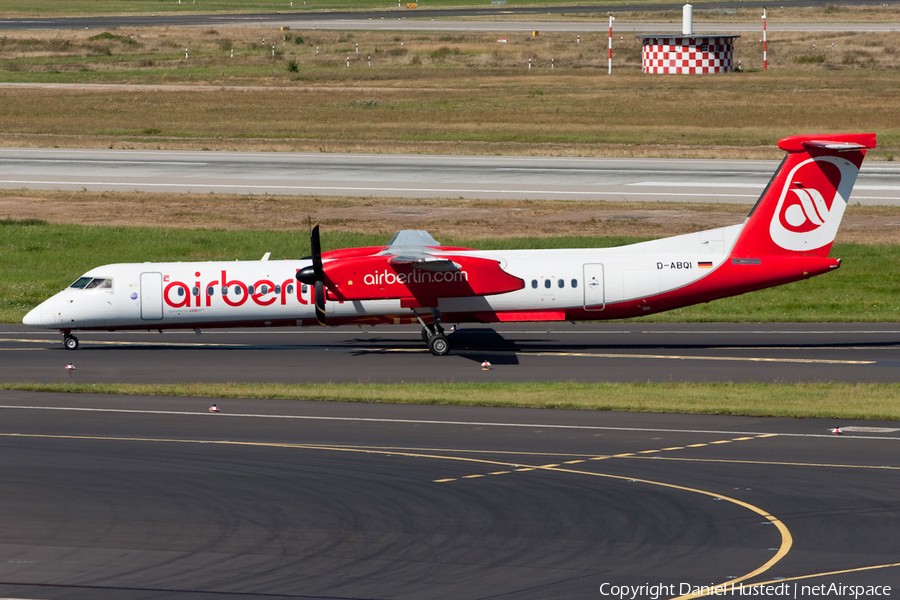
<point>591,352</point>
<point>127,498</point>
<point>494,18</point>
<point>414,176</point>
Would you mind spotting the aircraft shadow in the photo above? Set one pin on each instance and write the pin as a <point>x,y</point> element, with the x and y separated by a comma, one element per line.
<point>486,344</point>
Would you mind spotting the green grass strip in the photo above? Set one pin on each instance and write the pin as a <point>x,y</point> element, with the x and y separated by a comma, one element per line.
<point>823,400</point>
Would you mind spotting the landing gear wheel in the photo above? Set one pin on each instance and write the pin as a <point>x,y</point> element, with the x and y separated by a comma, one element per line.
<point>439,345</point>
<point>70,342</point>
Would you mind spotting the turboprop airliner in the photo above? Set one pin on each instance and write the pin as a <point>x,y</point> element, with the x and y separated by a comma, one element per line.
<point>413,279</point>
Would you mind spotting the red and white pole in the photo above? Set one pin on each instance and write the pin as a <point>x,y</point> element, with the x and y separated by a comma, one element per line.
<point>611,19</point>
<point>765,62</point>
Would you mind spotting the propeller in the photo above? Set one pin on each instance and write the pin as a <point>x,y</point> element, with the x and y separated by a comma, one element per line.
<point>314,274</point>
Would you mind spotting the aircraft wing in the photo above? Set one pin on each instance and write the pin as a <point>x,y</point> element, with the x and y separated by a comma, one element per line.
<point>414,247</point>
<point>417,273</point>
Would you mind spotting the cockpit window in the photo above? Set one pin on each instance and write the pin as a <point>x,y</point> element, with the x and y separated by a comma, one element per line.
<point>92,282</point>
<point>99,283</point>
<point>81,282</point>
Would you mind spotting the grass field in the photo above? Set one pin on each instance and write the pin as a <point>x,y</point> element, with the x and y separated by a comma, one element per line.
<point>437,93</point>
<point>823,400</point>
<point>38,259</point>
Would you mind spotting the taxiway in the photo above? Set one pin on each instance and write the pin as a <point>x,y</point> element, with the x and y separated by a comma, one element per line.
<point>127,498</point>
<point>622,352</point>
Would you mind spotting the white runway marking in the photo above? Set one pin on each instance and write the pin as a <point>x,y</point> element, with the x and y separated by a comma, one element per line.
<point>431,422</point>
<point>729,185</point>
<point>101,162</point>
<point>701,184</point>
<point>367,189</point>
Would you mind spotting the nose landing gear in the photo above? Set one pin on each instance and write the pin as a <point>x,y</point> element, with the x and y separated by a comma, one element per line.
<point>70,342</point>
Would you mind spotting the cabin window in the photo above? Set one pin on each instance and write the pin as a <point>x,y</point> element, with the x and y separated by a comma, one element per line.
<point>237,290</point>
<point>303,288</point>
<point>195,291</point>
<point>180,291</point>
<point>574,283</point>
<point>250,289</point>
<point>99,283</point>
<point>277,289</point>
<point>561,283</point>
<point>210,291</point>
<point>547,283</point>
<point>534,283</point>
<point>290,288</point>
<point>263,289</point>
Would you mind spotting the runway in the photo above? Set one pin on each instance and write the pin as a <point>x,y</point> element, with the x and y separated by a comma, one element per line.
<point>127,498</point>
<point>600,25</point>
<point>484,19</point>
<point>414,176</point>
<point>591,352</point>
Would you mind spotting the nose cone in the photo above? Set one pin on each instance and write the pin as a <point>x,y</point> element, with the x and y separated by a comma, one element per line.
<point>33,318</point>
<point>41,315</point>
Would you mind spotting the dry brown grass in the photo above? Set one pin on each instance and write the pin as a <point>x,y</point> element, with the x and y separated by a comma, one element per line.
<point>438,93</point>
<point>467,219</point>
<point>129,53</point>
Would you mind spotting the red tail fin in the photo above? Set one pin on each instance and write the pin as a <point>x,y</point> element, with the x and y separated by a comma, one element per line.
<point>801,208</point>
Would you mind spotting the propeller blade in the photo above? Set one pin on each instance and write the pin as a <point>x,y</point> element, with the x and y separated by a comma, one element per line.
<point>316,251</point>
<point>320,301</point>
<point>315,272</point>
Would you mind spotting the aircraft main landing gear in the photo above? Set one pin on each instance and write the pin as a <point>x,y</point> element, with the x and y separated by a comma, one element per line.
<point>427,332</point>
<point>439,345</point>
<point>70,341</point>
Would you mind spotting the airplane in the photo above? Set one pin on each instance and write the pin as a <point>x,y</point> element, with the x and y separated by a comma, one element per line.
<point>786,237</point>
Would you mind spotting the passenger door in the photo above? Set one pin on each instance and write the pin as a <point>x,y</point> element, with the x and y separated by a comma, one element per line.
<point>151,296</point>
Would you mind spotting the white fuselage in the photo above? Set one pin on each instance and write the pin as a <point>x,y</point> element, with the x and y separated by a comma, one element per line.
<point>219,294</point>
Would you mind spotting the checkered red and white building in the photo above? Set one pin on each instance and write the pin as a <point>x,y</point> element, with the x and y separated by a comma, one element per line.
<point>682,55</point>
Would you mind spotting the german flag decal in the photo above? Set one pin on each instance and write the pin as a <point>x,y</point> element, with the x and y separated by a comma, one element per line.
<point>704,265</point>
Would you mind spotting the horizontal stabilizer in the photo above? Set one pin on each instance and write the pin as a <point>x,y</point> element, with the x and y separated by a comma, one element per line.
<point>838,146</point>
<point>839,141</point>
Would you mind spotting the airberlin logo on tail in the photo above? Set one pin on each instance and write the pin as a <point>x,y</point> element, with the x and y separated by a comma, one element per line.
<point>809,211</point>
<point>812,203</point>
